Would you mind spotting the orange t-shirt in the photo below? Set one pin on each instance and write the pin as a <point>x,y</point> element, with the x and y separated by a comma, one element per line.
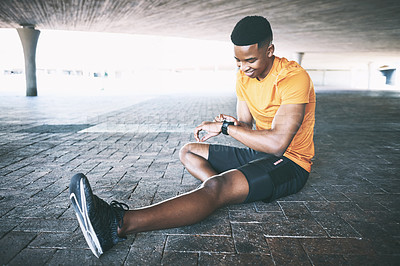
<point>286,83</point>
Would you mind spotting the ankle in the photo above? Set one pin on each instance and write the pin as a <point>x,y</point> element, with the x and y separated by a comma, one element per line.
<point>121,232</point>
<point>126,228</point>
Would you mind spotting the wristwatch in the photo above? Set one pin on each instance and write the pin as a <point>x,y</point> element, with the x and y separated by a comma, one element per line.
<point>225,125</point>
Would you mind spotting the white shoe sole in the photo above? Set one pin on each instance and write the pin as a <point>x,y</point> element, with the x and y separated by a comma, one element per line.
<point>84,222</point>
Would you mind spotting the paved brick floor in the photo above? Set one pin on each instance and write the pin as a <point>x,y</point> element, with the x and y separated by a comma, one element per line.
<point>348,213</point>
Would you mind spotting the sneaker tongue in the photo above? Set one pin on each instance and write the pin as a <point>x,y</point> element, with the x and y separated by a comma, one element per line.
<point>119,209</point>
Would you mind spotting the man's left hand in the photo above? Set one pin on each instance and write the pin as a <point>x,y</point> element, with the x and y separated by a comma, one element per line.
<point>212,128</point>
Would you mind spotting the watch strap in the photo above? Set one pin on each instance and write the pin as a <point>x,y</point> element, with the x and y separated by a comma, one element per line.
<point>225,125</point>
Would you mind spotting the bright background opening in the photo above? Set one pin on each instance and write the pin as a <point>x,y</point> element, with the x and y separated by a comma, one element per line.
<point>104,63</point>
<point>90,63</point>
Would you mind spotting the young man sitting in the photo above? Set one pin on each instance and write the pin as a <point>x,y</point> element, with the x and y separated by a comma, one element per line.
<point>274,94</point>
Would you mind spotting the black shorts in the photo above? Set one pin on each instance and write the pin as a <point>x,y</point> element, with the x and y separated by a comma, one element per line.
<point>269,177</point>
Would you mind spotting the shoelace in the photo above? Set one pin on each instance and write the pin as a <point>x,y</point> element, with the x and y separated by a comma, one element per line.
<point>118,208</point>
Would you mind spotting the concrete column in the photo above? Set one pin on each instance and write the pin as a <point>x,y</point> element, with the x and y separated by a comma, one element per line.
<point>29,37</point>
<point>299,57</point>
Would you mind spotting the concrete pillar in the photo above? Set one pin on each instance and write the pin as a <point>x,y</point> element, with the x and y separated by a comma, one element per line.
<point>299,57</point>
<point>29,37</point>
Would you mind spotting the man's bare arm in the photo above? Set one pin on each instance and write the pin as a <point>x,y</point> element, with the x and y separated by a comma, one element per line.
<point>243,114</point>
<point>275,141</point>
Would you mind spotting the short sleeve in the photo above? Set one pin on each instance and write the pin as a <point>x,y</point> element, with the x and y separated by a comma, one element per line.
<point>295,88</point>
<point>239,87</point>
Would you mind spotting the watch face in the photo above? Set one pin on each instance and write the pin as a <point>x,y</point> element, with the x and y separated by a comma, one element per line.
<point>224,127</point>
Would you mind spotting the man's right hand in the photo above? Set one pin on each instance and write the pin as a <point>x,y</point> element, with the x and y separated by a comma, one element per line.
<point>222,118</point>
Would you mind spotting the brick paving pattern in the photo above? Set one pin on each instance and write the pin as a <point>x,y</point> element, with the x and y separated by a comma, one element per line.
<point>348,212</point>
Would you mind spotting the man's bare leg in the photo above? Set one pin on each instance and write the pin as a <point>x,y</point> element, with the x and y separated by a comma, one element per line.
<point>100,221</point>
<point>194,157</point>
<point>228,188</point>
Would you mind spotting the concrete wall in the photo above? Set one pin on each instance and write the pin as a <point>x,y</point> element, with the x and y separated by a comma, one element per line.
<point>352,79</point>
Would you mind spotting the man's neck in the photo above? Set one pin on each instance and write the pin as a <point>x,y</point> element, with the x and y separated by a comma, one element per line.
<point>267,70</point>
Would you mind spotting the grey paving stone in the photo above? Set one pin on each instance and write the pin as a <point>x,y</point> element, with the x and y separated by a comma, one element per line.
<point>35,212</point>
<point>144,193</point>
<point>287,251</point>
<point>195,243</point>
<point>308,194</point>
<point>249,238</point>
<point>59,201</point>
<point>347,213</point>
<point>215,225</point>
<point>147,249</point>
<point>330,193</point>
<point>335,226</point>
<point>267,207</point>
<point>332,206</point>
<point>363,201</point>
<point>250,216</point>
<point>179,258</point>
<point>243,207</point>
<point>295,210</point>
<point>12,244</point>
<point>372,259</point>
<point>33,257</point>
<point>59,240</point>
<point>6,225</point>
<point>74,257</point>
<point>328,259</point>
<point>295,227</point>
<point>5,208</point>
<point>337,246</point>
<point>382,242</point>
<point>46,225</point>
<point>234,259</point>
<point>187,179</point>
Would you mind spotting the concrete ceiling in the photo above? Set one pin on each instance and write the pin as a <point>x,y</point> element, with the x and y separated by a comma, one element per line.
<point>330,30</point>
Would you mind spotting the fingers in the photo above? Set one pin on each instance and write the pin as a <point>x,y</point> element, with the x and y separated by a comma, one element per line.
<point>205,137</point>
<point>219,118</point>
<point>197,132</point>
<point>228,118</point>
<point>222,117</point>
<point>208,136</point>
<point>231,119</point>
<point>212,129</point>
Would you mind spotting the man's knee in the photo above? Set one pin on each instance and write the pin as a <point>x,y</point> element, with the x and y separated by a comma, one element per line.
<point>193,148</point>
<point>214,185</point>
<point>183,152</point>
<point>230,187</point>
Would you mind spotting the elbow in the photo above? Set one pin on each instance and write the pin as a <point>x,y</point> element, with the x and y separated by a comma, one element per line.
<point>276,151</point>
<point>279,150</point>
<point>279,153</point>
<point>274,144</point>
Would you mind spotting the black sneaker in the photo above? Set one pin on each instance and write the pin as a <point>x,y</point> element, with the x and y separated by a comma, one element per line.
<point>98,220</point>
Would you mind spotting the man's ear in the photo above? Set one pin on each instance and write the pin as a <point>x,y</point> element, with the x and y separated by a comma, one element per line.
<point>270,50</point>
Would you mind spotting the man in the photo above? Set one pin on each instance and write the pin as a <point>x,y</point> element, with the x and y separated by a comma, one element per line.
<point>278,96</point>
